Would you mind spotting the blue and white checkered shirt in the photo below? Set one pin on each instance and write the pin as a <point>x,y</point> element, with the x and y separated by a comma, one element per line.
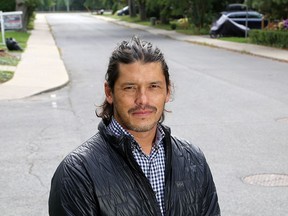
<point>153,165</point>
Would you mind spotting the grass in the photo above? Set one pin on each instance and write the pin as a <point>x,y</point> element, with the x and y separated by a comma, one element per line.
<point>193,31</point>
<point>10,57</point>
<point>5,76</point>
<point>20,37</point>
<point>236,39</point>
<point>7,59</point>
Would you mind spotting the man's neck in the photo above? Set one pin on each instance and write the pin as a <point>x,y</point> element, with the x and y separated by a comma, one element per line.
<point>145,139</point>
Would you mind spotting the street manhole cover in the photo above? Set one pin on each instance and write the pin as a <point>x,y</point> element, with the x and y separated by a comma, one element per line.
<point>268,180</point>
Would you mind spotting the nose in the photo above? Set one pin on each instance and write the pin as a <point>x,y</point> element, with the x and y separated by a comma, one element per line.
<point>141,97</point>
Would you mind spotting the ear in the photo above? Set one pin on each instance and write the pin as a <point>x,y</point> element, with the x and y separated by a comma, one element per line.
<point>168,94</point>
<point>108,93</point>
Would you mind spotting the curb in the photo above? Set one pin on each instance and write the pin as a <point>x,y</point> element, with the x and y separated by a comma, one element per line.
<point>41,68</point>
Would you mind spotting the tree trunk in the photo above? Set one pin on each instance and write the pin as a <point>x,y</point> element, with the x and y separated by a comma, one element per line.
<point>20,6</point>
<point>142,9</point>
<point>132,9</point>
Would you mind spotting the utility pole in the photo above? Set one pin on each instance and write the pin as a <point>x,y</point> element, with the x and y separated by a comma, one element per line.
<point>246,21</point>
<point>2,28</point>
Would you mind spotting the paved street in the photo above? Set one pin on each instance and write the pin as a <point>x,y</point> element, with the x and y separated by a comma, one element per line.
<point>232,105</point>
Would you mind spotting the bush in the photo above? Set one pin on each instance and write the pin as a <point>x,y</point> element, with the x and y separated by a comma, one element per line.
<point>173,26</point>
<point>269,38</point>
<point>114,8</point>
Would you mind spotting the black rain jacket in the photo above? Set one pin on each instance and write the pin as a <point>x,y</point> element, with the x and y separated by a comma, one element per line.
<point>102,178</point>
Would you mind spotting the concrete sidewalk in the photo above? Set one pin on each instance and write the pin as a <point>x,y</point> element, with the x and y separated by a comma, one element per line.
<point>42,69</point>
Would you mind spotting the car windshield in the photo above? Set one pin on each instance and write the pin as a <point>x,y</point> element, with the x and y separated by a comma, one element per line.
<point>244,15</point>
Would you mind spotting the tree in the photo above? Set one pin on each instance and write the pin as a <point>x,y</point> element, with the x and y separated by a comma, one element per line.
<point>7,5</point>
<point>47,5</point>
<point>167,9</point>
<point>108,4</point>
<point>27,7</point>
<point>77,5</point>
<point>132,8</point>
<point>64,4</point>
<point>273,9</point>
<point>201,10</point>
<point>90,5</point>
<point>142,9</point>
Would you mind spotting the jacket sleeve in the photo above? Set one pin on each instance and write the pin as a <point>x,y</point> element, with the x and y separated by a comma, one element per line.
<point>72,191</point>
<point>210,206</point>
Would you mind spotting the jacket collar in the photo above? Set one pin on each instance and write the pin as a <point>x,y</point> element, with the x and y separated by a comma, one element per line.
<point>120,141</point>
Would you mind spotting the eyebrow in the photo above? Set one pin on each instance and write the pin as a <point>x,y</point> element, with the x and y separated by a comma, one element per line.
<point>157,82</point>
<point>134,83</point>
<point>128,83</point>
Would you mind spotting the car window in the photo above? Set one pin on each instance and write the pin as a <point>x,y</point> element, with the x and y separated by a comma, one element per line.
<point>243,15</point>
<point>254,16</point>
<point>237,16</point>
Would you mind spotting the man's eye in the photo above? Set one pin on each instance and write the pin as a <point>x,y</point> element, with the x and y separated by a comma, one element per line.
<point>155,86</point>
<point>129,88</point>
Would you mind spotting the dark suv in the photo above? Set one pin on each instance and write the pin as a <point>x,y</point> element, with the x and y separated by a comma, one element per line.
<point>254,19</point>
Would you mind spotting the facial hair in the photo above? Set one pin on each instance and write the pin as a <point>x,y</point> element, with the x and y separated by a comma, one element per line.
<point>127,125</point>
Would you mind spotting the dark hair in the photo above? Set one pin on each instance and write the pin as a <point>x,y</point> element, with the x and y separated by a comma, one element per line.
<point>126,53</point>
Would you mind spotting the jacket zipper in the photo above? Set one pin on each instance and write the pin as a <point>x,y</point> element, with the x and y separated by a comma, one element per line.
<point>168,171</point>
<point>141,179</point>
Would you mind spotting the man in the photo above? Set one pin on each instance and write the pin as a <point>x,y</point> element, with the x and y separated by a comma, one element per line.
<point>133,165</point>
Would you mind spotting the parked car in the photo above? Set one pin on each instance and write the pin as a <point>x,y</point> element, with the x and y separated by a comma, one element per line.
<point>123,11</point>
<point>234,23</point>
<point>225,27</point>
<point>254,19</point>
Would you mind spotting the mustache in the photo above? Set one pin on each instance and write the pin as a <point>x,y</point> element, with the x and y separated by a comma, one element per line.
<point>146,107</point>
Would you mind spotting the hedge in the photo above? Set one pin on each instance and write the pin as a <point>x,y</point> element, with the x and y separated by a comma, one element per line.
<point>272,38</point>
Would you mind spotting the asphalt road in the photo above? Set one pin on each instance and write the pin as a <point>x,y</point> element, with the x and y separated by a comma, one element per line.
<point>233,106</point>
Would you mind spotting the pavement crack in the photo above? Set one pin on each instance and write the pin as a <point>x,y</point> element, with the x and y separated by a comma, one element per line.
<point>34,175</point>
<point>33,150</point>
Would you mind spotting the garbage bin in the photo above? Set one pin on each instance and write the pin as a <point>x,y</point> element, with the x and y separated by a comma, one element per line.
<point>153,21</point>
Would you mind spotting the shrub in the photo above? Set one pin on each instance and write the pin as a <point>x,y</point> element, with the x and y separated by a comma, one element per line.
<point>183,23</point>
<point>173,26</point>
<point>269,38</point>
<point>283,25</point>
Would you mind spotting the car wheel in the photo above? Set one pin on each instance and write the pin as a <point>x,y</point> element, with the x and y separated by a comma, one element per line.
<point>214,35</point>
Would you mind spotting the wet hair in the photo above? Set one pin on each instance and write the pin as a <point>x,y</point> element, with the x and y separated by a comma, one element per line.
<point>128,52</point>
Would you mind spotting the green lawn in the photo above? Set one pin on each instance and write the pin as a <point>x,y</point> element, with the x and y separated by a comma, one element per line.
<point>20,37</point>
<point>5,76</point>
<point>236,39</point>
<point>10,57</point>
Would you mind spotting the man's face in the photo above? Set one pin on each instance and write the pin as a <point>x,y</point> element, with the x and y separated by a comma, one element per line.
<point>139,96</point>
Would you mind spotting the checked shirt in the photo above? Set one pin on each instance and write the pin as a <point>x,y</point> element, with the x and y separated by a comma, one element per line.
<point>153,165</point>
